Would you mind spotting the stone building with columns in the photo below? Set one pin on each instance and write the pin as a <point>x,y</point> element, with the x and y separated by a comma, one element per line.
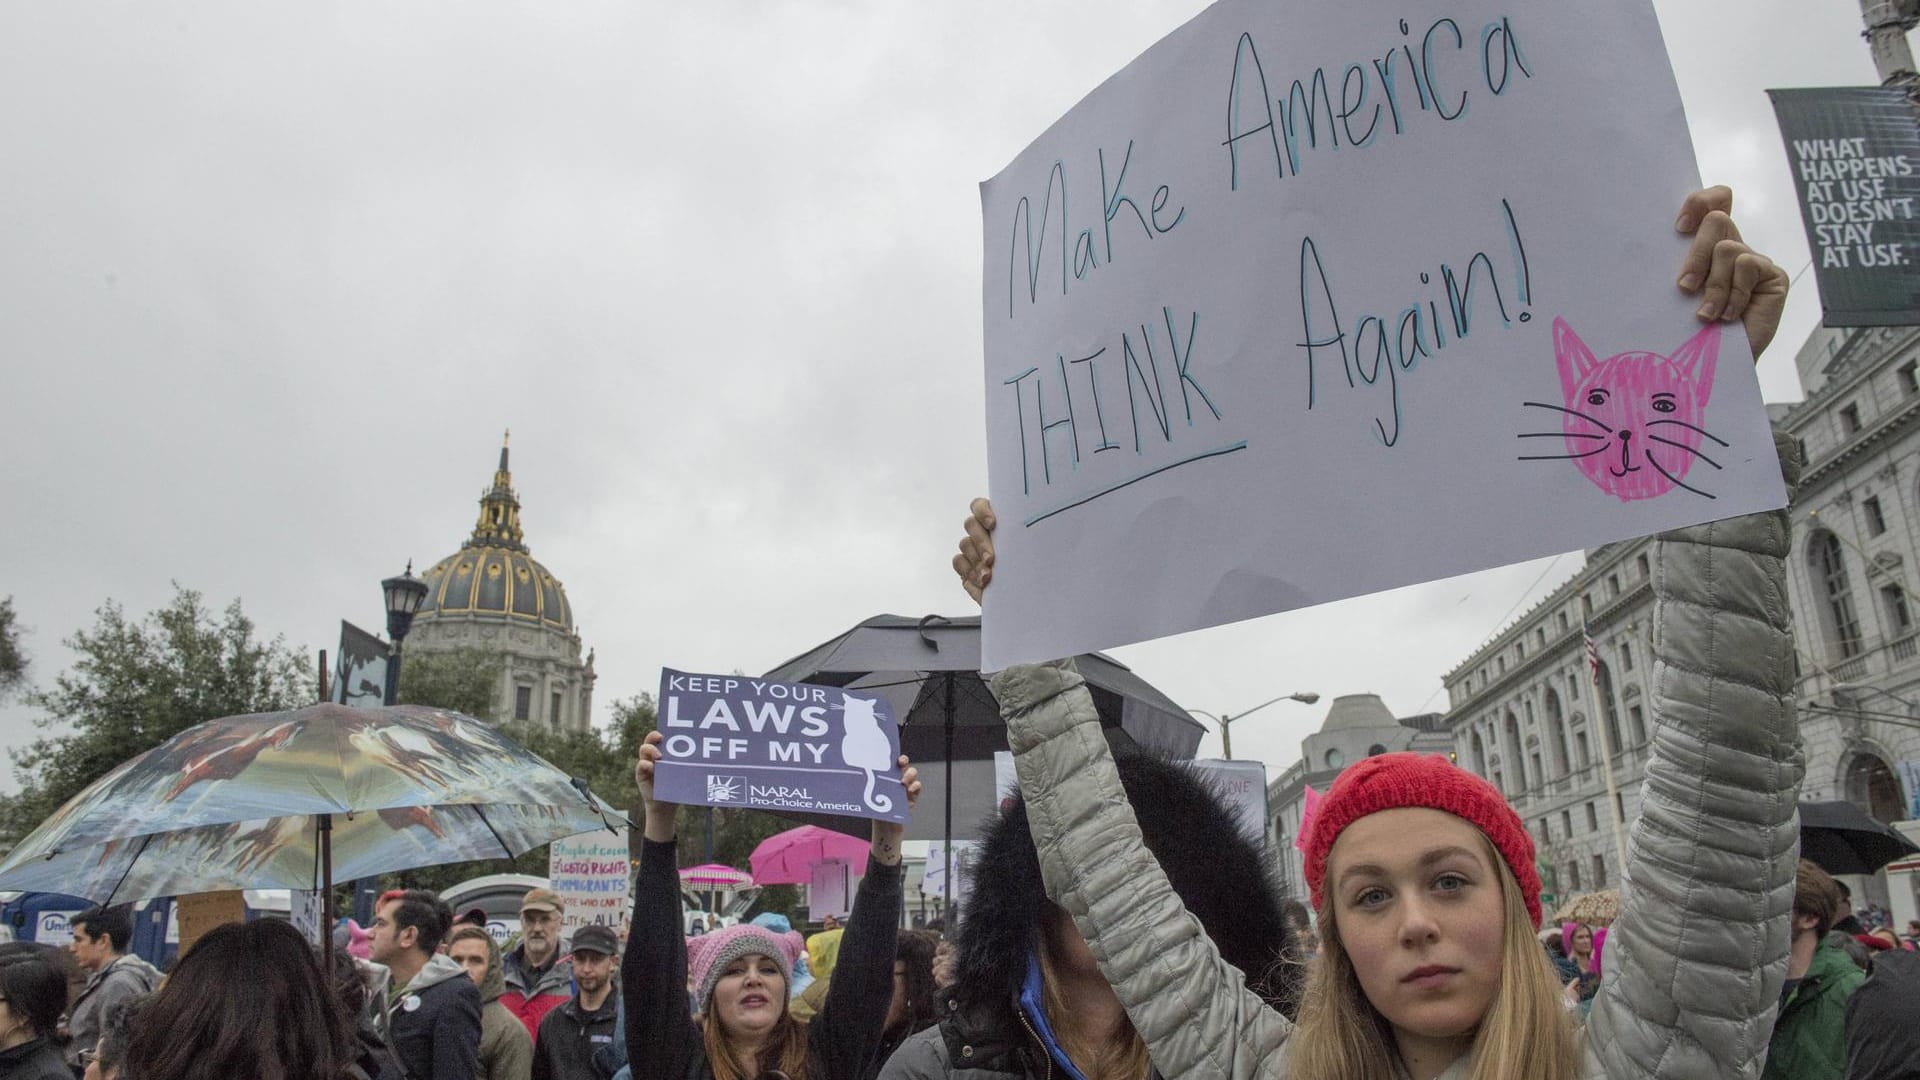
<point>492,595</point>
<point>1525,712</point>
<point>1357,726</point>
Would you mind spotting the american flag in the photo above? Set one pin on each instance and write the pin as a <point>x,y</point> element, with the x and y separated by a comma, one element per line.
<point>1593,653</point>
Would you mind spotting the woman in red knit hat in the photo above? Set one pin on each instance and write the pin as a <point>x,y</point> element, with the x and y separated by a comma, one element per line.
<point>1423,877</point>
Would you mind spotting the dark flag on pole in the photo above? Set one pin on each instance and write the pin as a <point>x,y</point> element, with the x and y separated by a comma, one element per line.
<point>360,669</point>
<point>1855,156</point>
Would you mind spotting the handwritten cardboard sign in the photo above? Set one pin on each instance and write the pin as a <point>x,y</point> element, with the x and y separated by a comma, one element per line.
<point>202,912</point>
<point>1311,301</point>
<point>732,740</point>
<point>593,875</point>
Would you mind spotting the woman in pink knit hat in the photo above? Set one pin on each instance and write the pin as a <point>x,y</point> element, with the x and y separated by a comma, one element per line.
<point>1423,876</point>
<point>738,1026</point>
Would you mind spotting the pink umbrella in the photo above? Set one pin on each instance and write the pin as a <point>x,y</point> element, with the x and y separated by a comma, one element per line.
<point>715,876</point>
<point>787,858</point>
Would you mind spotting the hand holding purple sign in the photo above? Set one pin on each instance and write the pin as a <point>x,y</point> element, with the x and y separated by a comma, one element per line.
<point>730,740</point>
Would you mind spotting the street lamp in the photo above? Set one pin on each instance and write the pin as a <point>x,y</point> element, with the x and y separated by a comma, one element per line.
<point>405,594</point>
<point>1305,697</point>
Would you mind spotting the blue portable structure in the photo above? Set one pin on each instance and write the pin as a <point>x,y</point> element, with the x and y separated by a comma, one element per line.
<point>33,916</point>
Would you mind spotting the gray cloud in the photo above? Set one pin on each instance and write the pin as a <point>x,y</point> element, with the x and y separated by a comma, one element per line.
<point>275,278</point>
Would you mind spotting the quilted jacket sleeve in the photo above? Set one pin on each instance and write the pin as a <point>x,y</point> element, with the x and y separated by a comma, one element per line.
<point>1192,1007</point>
<point>1696,959</point>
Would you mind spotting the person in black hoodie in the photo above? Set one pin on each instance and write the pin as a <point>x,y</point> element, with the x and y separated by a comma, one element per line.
<point>745,1028</point>
<point>1028,1000</point>
<point>434,1006</point>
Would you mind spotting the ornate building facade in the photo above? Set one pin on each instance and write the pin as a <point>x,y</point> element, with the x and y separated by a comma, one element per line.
<point>1524,711</point>
<point>493,596</point>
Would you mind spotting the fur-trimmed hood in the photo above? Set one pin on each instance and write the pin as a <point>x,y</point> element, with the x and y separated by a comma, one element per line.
<point>1220,875</point>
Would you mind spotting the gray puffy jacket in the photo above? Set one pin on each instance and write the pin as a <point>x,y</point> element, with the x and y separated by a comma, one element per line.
<point>1698,955</point>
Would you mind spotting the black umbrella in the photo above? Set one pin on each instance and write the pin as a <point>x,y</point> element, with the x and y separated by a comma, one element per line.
<point>929,670</point>
<point>1841,838</point>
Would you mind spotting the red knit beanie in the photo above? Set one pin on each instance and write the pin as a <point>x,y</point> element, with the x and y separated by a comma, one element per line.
<point>1390,781</point>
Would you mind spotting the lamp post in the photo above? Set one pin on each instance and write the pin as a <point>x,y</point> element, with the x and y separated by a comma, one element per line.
<point>1305,697</point>
<point>404,594</point>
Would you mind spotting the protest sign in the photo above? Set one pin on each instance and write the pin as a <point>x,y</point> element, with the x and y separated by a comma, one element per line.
<point>1855,155</point>
<point>829,890</point>
<point>201,912</point>
<point>731,740</point>
<point>593,874</point>
<point>941,855</point>
<point>1311,301</point>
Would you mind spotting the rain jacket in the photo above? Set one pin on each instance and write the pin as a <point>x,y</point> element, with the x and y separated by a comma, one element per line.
<point>1883,1020</point>
<point>125,978</point>
<point>506,1050</point>
<point>1700,952</point>
<point>1810,1038</point>
<point>571,1039</point>
<point>435,1025</point>
<point>529,997</point>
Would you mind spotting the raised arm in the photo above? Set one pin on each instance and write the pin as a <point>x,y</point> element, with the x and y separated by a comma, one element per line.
<point>848,1030</point>
<point>662,1039</point>
<point>1696,959</point>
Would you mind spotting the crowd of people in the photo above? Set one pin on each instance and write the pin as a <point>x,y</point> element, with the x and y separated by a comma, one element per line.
<point>1119,925</point>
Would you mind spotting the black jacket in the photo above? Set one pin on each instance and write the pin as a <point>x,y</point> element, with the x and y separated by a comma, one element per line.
<point>1883,1020</point>
<point>435,1025</point>
<point>36,1060</point>
<point>663,1043</point>
<point>569,1037</point>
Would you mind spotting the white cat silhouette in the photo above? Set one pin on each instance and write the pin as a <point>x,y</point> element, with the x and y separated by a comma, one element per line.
<point>865,747</point>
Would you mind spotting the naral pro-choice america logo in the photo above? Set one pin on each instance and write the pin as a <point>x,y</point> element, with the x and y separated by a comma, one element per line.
<point>725,789</point>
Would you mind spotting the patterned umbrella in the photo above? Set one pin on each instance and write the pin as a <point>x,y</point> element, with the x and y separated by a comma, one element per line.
<point>715,876</point>
<point>294,800</point>
<point>787,858</point>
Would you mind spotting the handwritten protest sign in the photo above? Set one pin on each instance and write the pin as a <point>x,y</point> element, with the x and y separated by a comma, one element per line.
<point>592,874</point>
<point>1311,301</point>
<point>731,740</point>
<point>202,912</point>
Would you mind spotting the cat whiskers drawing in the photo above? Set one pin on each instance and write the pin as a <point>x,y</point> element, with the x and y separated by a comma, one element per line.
<point>1632,421</point>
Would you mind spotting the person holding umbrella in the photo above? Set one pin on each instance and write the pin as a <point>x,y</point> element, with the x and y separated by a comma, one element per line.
<point>743,1026</point>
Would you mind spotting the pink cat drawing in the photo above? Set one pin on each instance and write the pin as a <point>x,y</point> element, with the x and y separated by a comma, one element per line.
<point>1632,422</point>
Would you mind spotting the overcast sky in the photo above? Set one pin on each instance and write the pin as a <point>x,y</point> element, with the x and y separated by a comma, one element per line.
<point>275,277</point>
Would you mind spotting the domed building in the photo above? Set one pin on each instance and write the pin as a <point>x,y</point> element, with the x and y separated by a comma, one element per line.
<point>493,595</point>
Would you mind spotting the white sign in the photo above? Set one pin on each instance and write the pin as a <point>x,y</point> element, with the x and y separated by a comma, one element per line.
<point>1242,786</point>
<point>933,882</point>
<point>593,875</point>
<point>306,910</point>
<point>55,928</point>
<point>1311,301</point>
<point>828,890</point>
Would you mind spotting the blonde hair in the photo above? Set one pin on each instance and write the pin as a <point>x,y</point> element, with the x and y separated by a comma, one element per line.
<point>1121,1058</point>
<point>785,1050</point>
<point>1526,1032</point>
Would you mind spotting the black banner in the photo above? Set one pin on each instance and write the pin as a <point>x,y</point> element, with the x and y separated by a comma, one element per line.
<point>1855,155</point>
<point>359,669</point>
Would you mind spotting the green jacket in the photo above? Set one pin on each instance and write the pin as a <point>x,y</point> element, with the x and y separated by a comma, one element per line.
<point>1810,1038</point>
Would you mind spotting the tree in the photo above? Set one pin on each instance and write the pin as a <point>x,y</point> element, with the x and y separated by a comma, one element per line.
<point>138,683</point>
<point>13,662</point>
<point>465,680</point>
